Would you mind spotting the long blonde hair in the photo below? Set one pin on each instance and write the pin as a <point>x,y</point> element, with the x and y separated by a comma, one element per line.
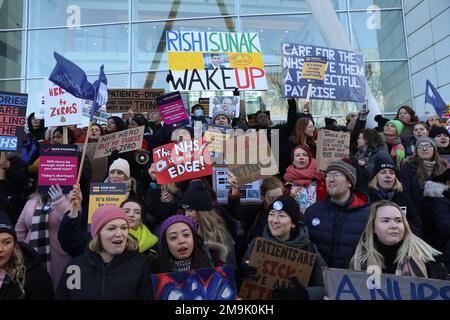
<point>211,227</point>
<point>412,247</point>
<point>15,268</point>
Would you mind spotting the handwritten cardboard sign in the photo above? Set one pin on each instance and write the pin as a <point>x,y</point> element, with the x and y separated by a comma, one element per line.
<point>182,161</point>
<point>58,164</point>
<point>342,284</point>
<point>142,100</point>
<point>331,146</point>
<point>199,284</point>
<point>275,263</point>
<point>122,141</point>
<point>102,194</point>
<point>13,107</point>
<point>60,107</point>
<point>249,157</point>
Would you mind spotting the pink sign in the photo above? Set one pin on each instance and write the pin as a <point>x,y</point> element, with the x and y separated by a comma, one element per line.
<point>58,165</point>
<point>172,109</point>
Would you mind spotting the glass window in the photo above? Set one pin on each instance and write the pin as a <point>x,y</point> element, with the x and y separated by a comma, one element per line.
<point>379,37</point>
<point>164,9</point>
<point>389,82</point>
<point>365,4</point>
<point>152,80</point>
<point>88,47</point>
<point>11,86</point>
<point>11,14</point>
<point>10,54</point>
<point>274,30</point>
<point>277,6</point>
<point>149,39</point>
<point>51,13</point>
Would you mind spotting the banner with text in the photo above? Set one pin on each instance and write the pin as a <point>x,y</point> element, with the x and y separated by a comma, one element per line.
<point>102,194</point>
<point>342,284</point>
<point>331,146</point>
<point>172,109</point>
<point>142,100</point>
<point>60,107</point>
<point>122,141</point>
<point>215,61</point>
<point>182,161</point>
<point>275,263</point>
<point>344,78</point>
<point>13,108</point>
<point>58,164</point>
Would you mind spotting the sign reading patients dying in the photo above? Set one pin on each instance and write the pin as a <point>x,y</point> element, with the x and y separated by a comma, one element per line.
<point>215,61</point>
<point>344,74</point>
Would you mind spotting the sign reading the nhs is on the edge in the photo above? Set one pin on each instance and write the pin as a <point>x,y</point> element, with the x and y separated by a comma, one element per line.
<point>215,61</point>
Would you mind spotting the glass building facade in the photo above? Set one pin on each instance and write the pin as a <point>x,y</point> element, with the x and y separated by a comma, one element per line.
<point>128,37</point>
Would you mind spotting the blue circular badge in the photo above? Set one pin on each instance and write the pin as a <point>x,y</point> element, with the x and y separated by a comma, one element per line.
<point>278,205</point>
<point>315,222</point>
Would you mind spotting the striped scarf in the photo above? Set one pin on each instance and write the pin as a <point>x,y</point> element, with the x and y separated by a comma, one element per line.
<point>40,236</point>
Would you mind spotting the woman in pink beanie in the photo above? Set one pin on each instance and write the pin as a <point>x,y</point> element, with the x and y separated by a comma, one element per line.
<point>111,268</point>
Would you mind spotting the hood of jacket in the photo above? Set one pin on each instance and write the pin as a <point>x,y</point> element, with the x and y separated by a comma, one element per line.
<point>30,256</point>
<point>300,240</point>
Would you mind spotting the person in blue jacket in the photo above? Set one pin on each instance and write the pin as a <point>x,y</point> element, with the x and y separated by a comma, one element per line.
<point>336,223</point>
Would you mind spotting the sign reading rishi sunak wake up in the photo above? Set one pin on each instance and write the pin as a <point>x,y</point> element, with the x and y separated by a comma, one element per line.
<point>215,61</point>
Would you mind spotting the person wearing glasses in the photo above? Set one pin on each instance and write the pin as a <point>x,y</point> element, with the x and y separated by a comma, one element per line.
<point>336,222</point>
<point>424,165</point>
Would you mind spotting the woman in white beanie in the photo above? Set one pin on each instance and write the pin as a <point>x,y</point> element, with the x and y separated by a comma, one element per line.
<point>119,172</point>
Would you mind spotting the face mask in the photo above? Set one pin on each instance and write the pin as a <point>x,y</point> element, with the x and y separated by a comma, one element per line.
<point>198,113</point>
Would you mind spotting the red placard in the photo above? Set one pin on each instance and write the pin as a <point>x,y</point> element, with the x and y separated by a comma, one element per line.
<point>179,161</point>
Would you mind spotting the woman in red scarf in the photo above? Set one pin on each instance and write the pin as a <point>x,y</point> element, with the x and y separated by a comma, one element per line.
<point>302,178</point>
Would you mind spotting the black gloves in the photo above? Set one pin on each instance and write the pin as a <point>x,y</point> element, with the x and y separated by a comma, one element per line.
<point>295,291</point>
<point>244,271</point>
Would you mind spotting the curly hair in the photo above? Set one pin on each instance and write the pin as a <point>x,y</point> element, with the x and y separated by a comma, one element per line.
<point>15,268</point>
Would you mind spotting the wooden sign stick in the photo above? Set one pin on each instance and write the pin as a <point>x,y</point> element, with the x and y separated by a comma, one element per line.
<point>65,135</point>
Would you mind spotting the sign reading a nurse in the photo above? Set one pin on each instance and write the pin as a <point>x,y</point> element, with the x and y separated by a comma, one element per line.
<point>344,74</point>
<point>215,61</point>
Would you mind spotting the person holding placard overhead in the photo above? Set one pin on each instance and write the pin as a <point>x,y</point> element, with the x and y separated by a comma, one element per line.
<point>284,225</point>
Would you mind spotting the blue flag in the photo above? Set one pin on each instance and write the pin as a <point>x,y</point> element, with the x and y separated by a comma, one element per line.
<point>101,93</point>
<point>71,78</point>
<point>433,97</point>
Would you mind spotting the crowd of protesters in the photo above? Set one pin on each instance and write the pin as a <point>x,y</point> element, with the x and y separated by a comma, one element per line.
<point>388,204</point>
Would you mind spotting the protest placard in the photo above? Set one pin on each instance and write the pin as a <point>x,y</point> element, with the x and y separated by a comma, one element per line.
<point>331,146</point>
<point>275,263</point>
<point>172,109</point>
<point>204,102</point>
<point>102,194</point>
<point>13,108</point>
<point>314,69</point>
<point>181,161</point>
<point>216,137</point>
<point>60,107</point>
<point>249,156</point>
<point>196,284</point>
<point>99,166</point>
<point>122,141</point>
<point>142,100</point>
<point>229,105</point>
<point>58,164</point>
<point>250,192</point>
<point>344,78</point>
<point>342,284</point>
<point>215,61</point>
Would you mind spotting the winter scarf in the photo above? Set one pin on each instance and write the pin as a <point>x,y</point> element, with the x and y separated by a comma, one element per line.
<point>386,195</point>
<point>412,266</point>
<point>145,238</point>
<point>397,151</point>
<point>303,177</point>
<point>429,167</point>
<point>40,236</point>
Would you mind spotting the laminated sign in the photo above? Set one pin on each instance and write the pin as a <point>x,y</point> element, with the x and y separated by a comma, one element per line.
<point>13,107</point>
<point>102,194</point>
<point>215,61</point>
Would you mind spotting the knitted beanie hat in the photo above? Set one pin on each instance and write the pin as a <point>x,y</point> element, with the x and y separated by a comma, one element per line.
<point>6,226</point>
<point>383,163</point>
<point>197,197</point>
<point>435,131</point>
<point>289,205</point>
<point>122,165</point>
<point>221,113</point>
<point>397,124</point>
<point>347,169</point>
<point>424,140</point>
<point>175,219</point>
<point>104,215</point>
